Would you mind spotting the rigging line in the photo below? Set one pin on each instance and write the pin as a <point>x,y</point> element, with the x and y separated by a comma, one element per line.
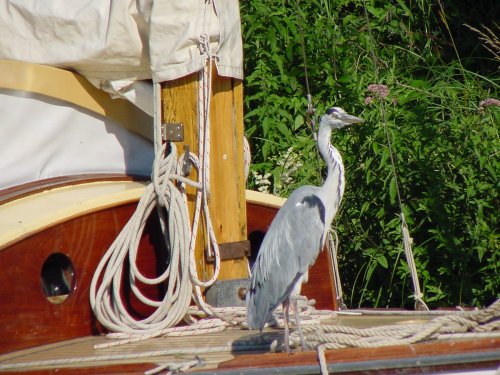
<point>310,108</point>
<point>382,109</point>
<point>418,295</point>
<point>310,113</point>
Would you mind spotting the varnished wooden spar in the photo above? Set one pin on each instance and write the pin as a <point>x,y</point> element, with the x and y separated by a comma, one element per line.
<point>227,182</point>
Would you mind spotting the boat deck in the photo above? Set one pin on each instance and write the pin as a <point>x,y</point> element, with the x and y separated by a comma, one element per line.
<point>222,352</point>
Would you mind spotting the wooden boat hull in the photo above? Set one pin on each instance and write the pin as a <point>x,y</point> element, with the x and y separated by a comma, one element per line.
<point>30,322</point>
<point>28,318</point>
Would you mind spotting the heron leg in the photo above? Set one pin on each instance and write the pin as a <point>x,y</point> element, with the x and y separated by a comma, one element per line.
<point>297,322</point>
<point>286,308</point>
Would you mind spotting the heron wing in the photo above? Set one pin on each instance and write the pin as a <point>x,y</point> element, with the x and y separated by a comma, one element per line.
<point>290,247</point>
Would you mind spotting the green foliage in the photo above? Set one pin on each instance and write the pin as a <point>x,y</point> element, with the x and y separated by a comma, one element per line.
<point>444,144</point>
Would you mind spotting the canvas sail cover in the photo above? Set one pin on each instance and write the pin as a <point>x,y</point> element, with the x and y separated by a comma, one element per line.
<point>118,45</point>
<point>123,40</point>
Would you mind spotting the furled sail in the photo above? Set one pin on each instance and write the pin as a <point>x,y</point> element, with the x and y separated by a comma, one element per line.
<point>123,40</point>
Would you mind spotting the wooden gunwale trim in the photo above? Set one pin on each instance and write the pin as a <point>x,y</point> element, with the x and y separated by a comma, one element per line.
<point>352,355</point>
<point>40,189</point>
<point>73,88</point>
<point>226,199</point>
<point>263,199</point>
<point>31,214</point>
<point>24,190</point>
<point>125,369</point>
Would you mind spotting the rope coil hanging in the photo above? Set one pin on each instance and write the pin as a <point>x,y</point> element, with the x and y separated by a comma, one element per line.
<point>106,299</point>
<point>166,193</point>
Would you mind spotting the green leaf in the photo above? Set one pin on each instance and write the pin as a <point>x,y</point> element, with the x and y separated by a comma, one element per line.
<point>382,260</point>
<point>299,121</point>
<point>446,149</point>
<point>283,129</point>
<point>405,8</point>
<point>371,267</point>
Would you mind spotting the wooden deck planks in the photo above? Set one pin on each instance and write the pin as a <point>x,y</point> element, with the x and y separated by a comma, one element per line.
<point>169,349</point>
<point>175,349</point>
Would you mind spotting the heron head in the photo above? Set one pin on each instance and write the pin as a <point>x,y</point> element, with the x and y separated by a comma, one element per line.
<point>337,118</point>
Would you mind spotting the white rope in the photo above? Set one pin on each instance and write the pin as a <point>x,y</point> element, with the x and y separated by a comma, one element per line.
<point>458,325</point>
<point>105,291</point>
<point>407,242</point>
<point>333,242</point>
<point>322,359</point>
<point>220,319</point>
<point>175,367</point>
<point>166,193</point>
<point>204,102</point>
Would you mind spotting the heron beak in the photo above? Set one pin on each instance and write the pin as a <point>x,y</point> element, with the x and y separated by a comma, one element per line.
<point>348,119</point>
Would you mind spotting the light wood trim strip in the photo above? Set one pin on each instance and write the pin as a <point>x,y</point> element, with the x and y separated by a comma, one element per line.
<point>26,216</point>
<point>73,88</point>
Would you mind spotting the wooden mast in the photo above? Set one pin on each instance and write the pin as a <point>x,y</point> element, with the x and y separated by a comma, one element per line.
<point>227,182</point>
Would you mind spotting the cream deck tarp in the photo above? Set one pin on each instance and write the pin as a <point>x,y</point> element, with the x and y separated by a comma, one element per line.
<point>45,139</point>
<point>123,39</point>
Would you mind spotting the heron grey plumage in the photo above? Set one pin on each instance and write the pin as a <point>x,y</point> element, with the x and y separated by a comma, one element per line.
<point>297,234</point>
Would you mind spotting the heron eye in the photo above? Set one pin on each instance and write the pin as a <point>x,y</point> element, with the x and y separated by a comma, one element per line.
<point>331,111</point>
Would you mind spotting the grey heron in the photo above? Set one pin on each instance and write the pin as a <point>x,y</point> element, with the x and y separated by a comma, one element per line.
<point>297,235</point>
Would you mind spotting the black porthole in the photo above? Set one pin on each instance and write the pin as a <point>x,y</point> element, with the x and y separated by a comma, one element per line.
<point>57,278</point>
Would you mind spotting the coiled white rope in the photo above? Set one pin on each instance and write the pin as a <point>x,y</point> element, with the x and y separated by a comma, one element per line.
<point>166,193</point>
<point>458,325</point>
<point>105,291</point>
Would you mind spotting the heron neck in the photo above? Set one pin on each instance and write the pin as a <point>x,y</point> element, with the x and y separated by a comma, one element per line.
<point>333,187</point>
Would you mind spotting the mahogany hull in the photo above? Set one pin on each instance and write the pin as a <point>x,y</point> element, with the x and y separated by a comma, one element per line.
<point>28,319</point>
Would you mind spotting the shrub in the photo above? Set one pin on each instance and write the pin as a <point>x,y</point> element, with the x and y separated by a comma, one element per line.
<point>444,144</point>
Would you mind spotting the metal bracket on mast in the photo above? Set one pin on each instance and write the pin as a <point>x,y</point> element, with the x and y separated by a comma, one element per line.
<point>172,131</point>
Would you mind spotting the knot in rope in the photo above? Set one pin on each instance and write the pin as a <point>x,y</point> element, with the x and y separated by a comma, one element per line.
<point>204,44</point>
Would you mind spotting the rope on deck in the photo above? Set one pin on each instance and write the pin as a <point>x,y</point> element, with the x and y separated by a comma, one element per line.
<point>455,325</point>
<point>175,367</point>
<point>478,323</point>
<point>458,325</point>
<point>219,319</point>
